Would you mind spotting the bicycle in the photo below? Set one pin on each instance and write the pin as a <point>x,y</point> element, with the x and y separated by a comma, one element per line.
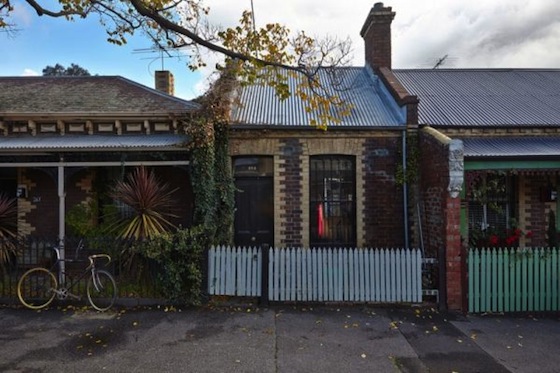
<point>38,287</point>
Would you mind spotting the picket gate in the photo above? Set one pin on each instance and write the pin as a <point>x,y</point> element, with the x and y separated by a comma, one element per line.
<point>318,274</point>
<point>513,280</point>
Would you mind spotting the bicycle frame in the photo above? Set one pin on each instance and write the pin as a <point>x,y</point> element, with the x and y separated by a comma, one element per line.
<point>63,290</point>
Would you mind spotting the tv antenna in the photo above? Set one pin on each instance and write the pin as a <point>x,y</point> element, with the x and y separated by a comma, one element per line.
<point>161,54</point>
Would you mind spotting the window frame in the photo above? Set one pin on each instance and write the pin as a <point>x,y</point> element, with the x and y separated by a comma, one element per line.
<point>332,201</point>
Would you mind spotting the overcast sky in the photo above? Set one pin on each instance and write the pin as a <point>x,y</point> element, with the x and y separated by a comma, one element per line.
<point>482,34</point>
<point>488,33</point>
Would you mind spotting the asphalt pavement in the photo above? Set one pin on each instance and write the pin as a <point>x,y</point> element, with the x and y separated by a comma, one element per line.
<point>246,338</point>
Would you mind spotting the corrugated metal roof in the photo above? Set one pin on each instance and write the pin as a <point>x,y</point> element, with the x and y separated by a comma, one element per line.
<point>512,147</point>
<point>371,104</point>
<point>92,142</point>
<point>94,95</point>
<point>485,97</point>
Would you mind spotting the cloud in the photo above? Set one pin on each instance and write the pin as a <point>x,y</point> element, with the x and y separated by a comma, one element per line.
<point>486,34</point>
<point>495,33</point>
<point>29,72</point>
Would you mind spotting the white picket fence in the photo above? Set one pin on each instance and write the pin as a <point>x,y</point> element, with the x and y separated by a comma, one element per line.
<point>318,275</point>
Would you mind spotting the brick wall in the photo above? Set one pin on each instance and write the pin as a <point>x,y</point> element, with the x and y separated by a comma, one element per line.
<point>534,208</point>
<point>291,190</point>
<point>379,215</point>
<point>39,211</point>
<point>383,198</point>
<point>441,214</point>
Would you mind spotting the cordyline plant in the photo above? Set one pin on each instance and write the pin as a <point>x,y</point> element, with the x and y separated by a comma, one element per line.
<point>150,201</point>
<point>8,229</point>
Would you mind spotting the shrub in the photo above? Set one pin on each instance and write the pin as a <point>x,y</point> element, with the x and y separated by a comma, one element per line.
<point>180,256</point>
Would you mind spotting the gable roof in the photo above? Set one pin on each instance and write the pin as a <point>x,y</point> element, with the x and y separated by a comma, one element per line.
<point>371,104</point>
<point>91,96</point>
<point>485,97</point>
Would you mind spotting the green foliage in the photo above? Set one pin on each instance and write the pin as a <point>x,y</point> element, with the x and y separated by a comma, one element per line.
<point>81,219</point>
<point>149,200</point>
<point>212,179</point>
<point>181,257</point>
<point>59,70</point>
<point>484,186</point>
<point>202,175</point>
<point>412,161</point>
<point>225,187</point>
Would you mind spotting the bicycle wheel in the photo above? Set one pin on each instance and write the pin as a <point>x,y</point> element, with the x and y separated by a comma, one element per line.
<point>101,290</point>
<point>36,288</point>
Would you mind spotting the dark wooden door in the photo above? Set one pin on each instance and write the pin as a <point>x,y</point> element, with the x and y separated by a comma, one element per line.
<point>254,214</point>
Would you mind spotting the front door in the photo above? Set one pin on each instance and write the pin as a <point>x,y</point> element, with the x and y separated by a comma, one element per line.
<point>254,214</point>
<point>254,203</point>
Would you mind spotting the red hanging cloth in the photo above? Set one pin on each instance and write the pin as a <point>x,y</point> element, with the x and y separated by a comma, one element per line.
<point>320,221</point>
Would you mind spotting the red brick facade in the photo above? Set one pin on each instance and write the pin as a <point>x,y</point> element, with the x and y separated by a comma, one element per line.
<point>383,197</point>
<point>377,36</point>
<point>441,215</point>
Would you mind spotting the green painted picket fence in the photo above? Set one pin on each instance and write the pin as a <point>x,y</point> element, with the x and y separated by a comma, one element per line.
<point>513,280</point>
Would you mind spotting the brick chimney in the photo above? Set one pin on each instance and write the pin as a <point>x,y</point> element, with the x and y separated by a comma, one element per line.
<point>377,36</point>
<point>165,82</point>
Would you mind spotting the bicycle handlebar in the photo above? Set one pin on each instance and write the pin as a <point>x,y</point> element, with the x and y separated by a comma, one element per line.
<point>99,256</point>
<point>80,247</point>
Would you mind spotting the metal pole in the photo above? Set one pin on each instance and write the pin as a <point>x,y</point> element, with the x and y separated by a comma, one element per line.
<point>61,219</point>
<point>405,191</point>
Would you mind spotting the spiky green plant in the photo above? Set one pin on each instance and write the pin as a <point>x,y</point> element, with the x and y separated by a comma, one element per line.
<point>151,203</point>
<point>8,229</point>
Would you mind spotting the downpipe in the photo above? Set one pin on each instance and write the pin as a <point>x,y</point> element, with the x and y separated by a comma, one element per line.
<point>405,190</point>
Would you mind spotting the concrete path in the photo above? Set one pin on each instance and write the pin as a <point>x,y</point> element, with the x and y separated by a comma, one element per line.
<point>276,339</point>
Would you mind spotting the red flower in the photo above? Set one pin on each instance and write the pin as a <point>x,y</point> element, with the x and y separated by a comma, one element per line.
<point>494,240</point>
<point>529,234</point>
<point>511,240</point>
<point>517,232</point>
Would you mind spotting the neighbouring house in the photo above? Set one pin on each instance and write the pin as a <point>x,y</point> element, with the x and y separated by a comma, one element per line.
<point>488,157</point>
<point>490,161</point>
<point>65,140</point>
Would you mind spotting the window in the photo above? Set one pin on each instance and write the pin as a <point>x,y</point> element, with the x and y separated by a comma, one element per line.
<point>492,207</point>
<point>332,191</point>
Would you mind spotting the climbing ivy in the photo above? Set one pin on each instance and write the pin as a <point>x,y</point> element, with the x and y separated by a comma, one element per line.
<point>225,188</point>
<point>211,174</point>
<point>412,162</point>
